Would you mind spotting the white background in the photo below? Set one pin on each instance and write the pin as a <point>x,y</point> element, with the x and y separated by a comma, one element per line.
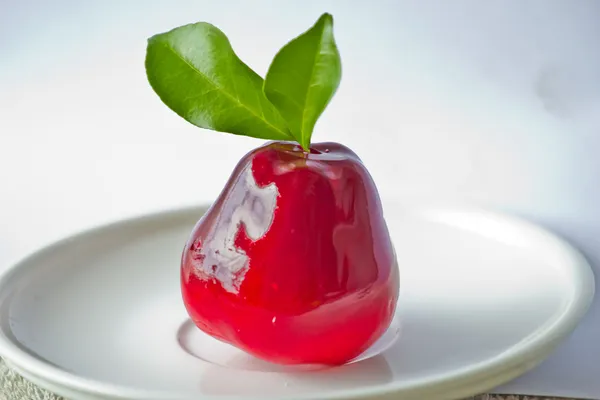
<point>492,102</point>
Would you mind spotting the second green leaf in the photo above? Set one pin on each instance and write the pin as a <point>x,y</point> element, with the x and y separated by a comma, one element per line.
<point>303,78</point>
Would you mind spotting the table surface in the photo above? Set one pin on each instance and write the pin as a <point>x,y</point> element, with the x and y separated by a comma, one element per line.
<point>14,387</point>
<point>494,103</point>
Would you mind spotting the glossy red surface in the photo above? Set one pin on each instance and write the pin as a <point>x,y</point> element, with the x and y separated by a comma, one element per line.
<point>293,263</point>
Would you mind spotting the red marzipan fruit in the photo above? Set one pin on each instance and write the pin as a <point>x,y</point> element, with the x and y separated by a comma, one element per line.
<point>293,263</point>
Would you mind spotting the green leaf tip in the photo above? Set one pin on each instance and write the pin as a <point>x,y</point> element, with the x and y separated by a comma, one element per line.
<point>326,17</point>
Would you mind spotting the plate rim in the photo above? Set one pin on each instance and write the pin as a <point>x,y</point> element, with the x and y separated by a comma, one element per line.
<point>495,371</point>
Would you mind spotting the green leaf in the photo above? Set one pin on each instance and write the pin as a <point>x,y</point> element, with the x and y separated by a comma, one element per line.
<point>303,78</point>
<point>196,73</point>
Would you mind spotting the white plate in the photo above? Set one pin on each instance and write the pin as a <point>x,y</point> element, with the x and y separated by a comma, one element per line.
<point>484,297</point>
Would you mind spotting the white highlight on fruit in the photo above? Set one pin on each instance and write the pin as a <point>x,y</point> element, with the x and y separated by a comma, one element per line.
<point>246,204</point>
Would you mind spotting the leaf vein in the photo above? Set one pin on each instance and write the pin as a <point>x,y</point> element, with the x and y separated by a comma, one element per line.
<point>260,117</point>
